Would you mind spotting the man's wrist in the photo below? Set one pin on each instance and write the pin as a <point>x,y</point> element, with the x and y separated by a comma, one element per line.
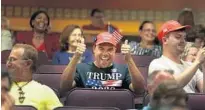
<point>196,62</point>
<point>128,57</point>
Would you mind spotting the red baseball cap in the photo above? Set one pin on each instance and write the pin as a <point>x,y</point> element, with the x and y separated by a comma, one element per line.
<point>170,26</point>
<point>105,37</point>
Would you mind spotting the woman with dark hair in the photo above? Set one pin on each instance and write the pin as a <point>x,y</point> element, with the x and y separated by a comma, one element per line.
<point>149,44</point>
<point>186,17</point>
<point>69,39</point>
<point>39,37</point>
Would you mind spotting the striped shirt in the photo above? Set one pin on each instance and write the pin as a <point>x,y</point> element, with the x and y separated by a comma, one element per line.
<point>155,51</point>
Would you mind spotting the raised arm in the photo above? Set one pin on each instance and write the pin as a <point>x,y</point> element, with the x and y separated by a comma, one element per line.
<point>184,78</point>
<point>137,80</point>
<point>67,78</point>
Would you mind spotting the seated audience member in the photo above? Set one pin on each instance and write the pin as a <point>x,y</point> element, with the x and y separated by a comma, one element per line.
<point>7,101</point>
<point>149,44</point>
<point>172,35</point>
<point>69,39</point>
<point>200,41</point>
<point>6,35</point>
<point>39,37</point>
<point>22,64</point>
<point>168,96</point>
<point>102,73</point>
<point>97,18</point>
<point>186,17</point>
<point>190,52</point>
<point>156,78</point>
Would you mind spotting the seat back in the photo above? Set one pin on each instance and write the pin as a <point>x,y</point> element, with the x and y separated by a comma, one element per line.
<point>50,75</point>
<point>4,56</point>
<point>146,99</point>
<point>122,99</point>
<point>42,59</point>
<point>144,72</point>
<point>3,68</point>
<point>51,80</point>
<point>24,107</point>
<point>139,60</point>
<point>85,108</point>
<point>196,101</point>
<point>51,69</point>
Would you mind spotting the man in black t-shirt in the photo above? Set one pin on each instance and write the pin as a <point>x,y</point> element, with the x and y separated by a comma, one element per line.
<point>102,73</point>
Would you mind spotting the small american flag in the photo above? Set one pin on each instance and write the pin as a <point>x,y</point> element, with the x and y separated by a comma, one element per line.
<point>116,34</point>
<point>93,82</point>
<point>99,83</point>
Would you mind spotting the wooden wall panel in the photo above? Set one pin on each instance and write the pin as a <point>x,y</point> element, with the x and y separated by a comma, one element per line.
<point>112,4</point>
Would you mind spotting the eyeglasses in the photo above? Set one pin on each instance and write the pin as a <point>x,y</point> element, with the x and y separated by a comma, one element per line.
<point>12,59</point>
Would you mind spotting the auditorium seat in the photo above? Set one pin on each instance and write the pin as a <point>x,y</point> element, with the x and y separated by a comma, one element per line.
<point>85,108</point>
<point>122,99</point>
<point>139,60</point>
<point>3,68</point>
<point>146,100</point>
<point>144,72</point>
<point>24,107</point>
<point>51,69</point>
<point>51,80</point>
<point>42,59</point>
<point>4,56</point>
<point>196,101</point>
<point>50,76</point>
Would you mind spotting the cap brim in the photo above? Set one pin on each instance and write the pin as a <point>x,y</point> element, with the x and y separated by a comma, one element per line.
<point>181,27</point>
<point>105,42</point>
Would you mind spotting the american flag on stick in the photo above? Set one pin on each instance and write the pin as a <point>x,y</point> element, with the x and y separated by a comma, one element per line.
<point>116,34</point>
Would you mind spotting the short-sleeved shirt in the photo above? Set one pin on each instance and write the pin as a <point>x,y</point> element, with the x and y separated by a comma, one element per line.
<point>63,58</point>
<point>37,95</point>
<point>114,77</point>
<point>6,38</point>
<point>164,63</point>
<point>136,49</point>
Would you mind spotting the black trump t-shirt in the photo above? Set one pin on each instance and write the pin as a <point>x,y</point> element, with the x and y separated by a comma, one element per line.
<point>114,77</point>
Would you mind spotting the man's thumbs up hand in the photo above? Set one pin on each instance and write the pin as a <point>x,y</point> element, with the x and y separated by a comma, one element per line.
<point>125,48</point>
<point>81,47</point>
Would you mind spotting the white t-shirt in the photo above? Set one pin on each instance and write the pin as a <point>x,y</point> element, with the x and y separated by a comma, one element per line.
<point>164,63</point>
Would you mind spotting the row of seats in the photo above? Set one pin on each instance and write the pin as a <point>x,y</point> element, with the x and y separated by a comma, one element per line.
<point>119,58</point>
<point>26,107</point>
<point>50,74</point>
<point>78,99</point>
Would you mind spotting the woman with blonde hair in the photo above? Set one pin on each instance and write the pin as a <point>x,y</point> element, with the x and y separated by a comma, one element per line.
<point>190,52</point>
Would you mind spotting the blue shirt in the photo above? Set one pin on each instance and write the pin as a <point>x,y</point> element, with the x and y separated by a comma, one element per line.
<point>63,58</point>
<point>147,107</point>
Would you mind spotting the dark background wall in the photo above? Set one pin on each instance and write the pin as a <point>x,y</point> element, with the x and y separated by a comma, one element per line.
<point>112,4</point>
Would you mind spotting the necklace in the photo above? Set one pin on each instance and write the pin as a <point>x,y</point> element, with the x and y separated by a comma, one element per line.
<point>21,92</point>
